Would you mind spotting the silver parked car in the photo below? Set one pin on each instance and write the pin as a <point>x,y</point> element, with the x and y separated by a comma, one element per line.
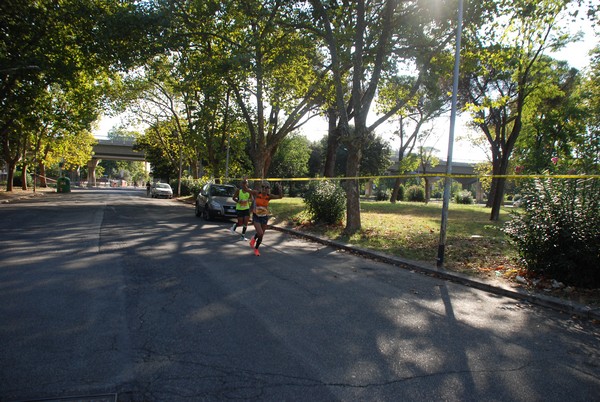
<point>216,200</point>
<point>161,190</point>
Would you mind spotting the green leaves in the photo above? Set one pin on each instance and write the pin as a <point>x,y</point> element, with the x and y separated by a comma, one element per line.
<point>325,202</point>
<point>557,234</point>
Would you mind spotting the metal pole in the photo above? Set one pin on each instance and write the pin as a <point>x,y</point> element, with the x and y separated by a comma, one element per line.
<point>227,162</point>
<point>180,169</point>
<point>448,180</point>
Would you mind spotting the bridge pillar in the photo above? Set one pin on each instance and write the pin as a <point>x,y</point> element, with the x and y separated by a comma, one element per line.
<point>92,172</point>
<point>478,192</point>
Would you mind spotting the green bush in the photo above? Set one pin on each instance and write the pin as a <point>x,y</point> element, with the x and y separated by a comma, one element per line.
<point>557,231</point>
<point>401,192</point>
<point>189,186</point>
<point>325,202</point>
<point>415,193</point>
<point>382,195</point>
<point>297,189</point>
<point>18,179</point>
<point>464,197</point>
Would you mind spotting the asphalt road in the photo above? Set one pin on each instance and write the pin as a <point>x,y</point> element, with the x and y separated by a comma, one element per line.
<point>109,293</point>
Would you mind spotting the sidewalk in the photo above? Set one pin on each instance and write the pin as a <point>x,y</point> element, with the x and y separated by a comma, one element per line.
<point>492,286</point>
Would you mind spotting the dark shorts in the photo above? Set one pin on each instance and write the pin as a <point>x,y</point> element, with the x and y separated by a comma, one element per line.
<point>260,219</point>
<point>241,213</point>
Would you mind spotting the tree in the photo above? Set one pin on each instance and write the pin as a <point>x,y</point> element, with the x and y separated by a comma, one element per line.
<point>552,123</point>
<point>273,71</point>
<point>379,36</point>
<point>73,149</point>
<point>63,120</point>
<point>210,58</point>
<point>41,53</point>
<point>587,145</point>
<point>427,159</point>
<point>291,158</point>
<point>375,157</point>
<point>502,71</point>
<point>423,111</point>
<point>161,143</point>
<point>428,103</point>
<point>161,107</point>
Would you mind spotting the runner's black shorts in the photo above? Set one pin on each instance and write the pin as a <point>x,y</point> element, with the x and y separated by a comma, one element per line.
<point>260,219</point>
<point>241,213</point>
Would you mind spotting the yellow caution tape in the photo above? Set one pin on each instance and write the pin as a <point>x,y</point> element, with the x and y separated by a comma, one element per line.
<point>436,175</point>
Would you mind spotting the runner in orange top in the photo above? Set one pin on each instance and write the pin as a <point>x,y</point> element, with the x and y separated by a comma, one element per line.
<point>260,217</point>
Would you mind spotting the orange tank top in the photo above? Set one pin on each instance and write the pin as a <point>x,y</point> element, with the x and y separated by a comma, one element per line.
<point>262,204</point>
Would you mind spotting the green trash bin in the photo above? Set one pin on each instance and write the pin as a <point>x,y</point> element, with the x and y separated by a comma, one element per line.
<point>63,185</point>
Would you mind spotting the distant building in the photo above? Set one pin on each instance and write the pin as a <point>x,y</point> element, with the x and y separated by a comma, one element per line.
<point>458,168</point>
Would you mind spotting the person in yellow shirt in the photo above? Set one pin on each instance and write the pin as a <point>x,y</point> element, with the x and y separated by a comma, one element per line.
<point>260,216</point>
<point>242,207</point>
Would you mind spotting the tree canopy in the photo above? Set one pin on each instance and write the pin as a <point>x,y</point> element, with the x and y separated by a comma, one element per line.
<point>222,87</point>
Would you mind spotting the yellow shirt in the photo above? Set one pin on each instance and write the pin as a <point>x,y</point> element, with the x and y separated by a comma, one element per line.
<point>242,202</point>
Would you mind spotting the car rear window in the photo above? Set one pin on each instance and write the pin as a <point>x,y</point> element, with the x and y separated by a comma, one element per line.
<point>222,191</point>
<point>163,185</point>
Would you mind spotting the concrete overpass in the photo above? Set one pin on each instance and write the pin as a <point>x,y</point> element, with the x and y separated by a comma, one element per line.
<point>119,150</point>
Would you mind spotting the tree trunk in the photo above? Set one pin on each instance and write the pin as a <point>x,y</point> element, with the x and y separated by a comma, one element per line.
<point>398,180</point>
<point>498,199</point>
<point>495,171</point>
<point>42,176</point>
<point>396,190</point>
<point>427,189</point>
<point>24,177</point>
<point>333,140</point>
<point>353,223</point>
<point>261,160</point>
<point>498,186</point>
<point>11,158</point>
<point>10,175</point>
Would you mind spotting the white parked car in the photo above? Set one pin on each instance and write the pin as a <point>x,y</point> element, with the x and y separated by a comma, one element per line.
<point>161,190</point>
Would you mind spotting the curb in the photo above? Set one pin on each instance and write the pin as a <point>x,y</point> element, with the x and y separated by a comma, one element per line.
<point>555,303</point>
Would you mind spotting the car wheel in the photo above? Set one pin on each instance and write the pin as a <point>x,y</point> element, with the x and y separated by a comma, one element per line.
<point>197,210</point>
<point>207,215</point>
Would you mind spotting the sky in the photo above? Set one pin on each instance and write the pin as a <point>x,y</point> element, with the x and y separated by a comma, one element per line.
<point>576,54</point>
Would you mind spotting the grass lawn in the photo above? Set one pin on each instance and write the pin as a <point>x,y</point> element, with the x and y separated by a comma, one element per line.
<point>474,244</point>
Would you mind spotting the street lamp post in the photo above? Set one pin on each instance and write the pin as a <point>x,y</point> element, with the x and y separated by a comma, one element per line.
<point>448,179</point>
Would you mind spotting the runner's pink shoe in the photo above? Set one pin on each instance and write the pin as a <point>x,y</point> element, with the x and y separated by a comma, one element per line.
<point>256,252</point>
<point>252,241</point>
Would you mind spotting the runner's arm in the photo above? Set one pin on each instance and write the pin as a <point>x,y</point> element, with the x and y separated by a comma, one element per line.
<point>248,190</point>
